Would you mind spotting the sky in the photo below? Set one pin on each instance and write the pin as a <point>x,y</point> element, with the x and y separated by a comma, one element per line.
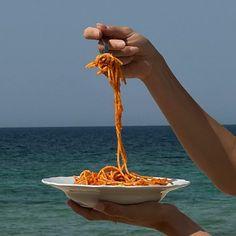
<point>43,81</point>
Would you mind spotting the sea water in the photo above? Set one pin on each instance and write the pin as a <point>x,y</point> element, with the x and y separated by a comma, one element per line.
<point>28,207</point>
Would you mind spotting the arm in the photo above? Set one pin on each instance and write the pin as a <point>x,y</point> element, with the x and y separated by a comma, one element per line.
<point>165,218</point>
<point>209,145</point>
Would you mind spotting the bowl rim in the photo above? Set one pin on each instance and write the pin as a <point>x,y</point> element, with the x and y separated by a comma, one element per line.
<point>183,183</point>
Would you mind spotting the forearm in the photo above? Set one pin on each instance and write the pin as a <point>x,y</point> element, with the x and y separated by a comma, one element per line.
<point>208,143</point>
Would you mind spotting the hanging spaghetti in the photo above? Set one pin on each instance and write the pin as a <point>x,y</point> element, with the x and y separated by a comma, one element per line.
<point>110,66</point>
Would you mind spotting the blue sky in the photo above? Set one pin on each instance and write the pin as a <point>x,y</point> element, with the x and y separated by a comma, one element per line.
<point>43,81</point>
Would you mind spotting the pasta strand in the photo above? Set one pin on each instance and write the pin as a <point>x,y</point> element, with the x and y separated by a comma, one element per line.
<point>110,66</point>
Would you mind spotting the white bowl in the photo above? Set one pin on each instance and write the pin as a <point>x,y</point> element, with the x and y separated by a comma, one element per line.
<point>89,195</point>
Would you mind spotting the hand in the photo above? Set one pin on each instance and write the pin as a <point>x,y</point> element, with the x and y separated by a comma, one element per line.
<point>135,51</point>
<point>160,216</point>
<point>129,214</point>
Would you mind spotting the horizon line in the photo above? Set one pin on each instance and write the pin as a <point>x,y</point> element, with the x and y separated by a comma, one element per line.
<point>90,126</point>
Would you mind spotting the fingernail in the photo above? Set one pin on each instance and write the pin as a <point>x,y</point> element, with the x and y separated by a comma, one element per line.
<point>99,206</point>
<point>120,44</point>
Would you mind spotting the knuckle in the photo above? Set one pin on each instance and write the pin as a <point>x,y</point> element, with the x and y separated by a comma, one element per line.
<point>128,29</point>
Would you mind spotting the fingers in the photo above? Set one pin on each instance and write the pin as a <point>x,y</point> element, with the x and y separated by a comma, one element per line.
<point>127,51</point>
<point>101,30</point>
<point>118,48</point>
<point>119,45</point>
<point>116,44</point>
<point>128,212</point>
<point>113,209</point>
<point>151,212</point>
<point>87,213</point>
<point>117,32</point>
<point>91,214</point>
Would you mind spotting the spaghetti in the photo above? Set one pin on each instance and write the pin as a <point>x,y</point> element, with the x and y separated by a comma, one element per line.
<point>110,66</point>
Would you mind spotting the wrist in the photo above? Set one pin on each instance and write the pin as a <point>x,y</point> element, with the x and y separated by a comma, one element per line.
<point>175,223</point>
<point>157,65</point>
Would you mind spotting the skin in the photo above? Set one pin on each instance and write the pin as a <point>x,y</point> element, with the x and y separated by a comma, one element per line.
<point>165,218</point>
<point>210,146</point>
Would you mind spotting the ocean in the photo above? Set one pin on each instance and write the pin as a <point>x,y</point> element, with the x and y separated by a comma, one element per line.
<point>28,207</point>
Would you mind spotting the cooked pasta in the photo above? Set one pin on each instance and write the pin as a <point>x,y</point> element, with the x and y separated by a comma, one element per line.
<point>110,66</point>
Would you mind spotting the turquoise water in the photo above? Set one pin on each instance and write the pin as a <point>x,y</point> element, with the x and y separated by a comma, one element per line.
<point>27,207</point>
